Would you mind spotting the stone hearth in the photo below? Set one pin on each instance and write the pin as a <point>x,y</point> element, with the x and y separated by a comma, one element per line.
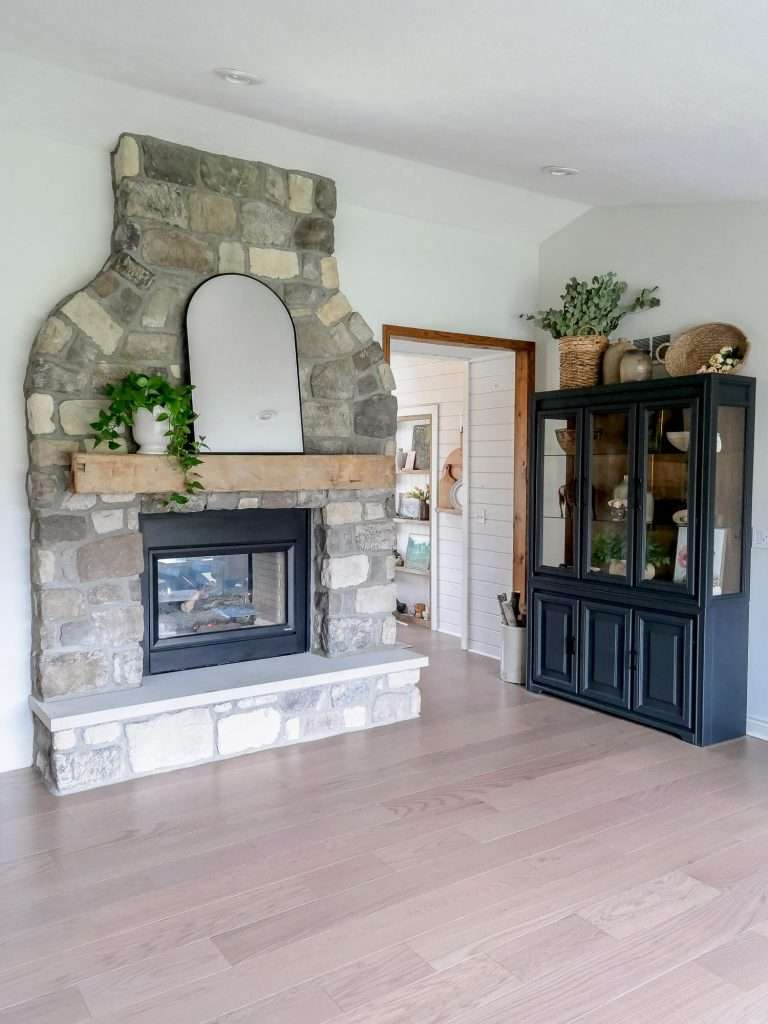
<point>182,215</point>
<point>201,715</point>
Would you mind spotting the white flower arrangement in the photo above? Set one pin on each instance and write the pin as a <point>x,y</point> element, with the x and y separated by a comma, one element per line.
<point>724,361</point>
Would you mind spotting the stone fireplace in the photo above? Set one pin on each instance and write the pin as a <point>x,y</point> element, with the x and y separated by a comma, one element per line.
<point>182,215</point>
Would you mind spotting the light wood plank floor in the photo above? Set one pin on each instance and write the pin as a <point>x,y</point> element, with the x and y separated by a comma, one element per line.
<point>507,859</point>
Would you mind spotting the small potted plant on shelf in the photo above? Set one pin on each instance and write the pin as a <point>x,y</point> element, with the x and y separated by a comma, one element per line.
<point>160,416</point>
<point>608,553</point>
<point>656,557</point>
<point>421,494</point>
<point>590,312</point>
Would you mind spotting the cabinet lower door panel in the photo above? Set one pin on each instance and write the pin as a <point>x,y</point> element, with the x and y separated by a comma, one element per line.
<point>554,641</point>
<point>605,638</point>
<point>664,679</point>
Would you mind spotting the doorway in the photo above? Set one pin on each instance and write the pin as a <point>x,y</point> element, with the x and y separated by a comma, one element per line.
<point>478,388</point>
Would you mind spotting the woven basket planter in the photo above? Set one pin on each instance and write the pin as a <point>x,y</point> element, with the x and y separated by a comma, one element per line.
<point>580,359</point>
<point>692,350</point>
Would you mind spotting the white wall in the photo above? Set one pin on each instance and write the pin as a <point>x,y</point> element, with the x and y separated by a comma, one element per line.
<point>416,245</point>
<point>429,380</point>
<point>710,262</point>
<point>491,494</point>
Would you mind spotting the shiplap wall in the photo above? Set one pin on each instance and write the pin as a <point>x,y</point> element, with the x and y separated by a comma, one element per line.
<point>491,478</point>
<point>429,380</point>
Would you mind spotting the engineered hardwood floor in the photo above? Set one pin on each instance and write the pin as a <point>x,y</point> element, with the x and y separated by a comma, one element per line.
<point>506,859</point>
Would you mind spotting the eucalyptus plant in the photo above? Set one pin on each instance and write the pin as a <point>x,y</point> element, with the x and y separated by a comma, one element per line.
<point>592,308</point>
<point>144,391</point>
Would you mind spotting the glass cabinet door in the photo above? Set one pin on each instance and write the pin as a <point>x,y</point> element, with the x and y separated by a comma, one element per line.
<point>728,530</point>
<point>557,499</point>
<point>665,501</point>
<point>609,437</point>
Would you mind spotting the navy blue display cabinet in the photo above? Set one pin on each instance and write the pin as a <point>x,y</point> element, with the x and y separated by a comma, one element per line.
<point>639,544</point>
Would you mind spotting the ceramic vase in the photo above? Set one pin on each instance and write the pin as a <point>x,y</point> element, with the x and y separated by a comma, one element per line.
<point>612,360</point>
<point>650,505</point>
<point>621,490</point>
<point>149,432</point>
<point>635,365</point>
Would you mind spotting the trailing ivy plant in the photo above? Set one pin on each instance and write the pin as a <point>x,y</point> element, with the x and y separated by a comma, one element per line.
<point>141,391</point>
<point>592,308</point>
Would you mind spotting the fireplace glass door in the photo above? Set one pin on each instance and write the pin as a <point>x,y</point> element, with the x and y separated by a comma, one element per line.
<point>199,593</point>
<point>221,587</point>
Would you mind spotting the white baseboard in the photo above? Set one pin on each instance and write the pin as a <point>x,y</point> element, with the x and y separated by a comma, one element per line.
<point>485,654</point>
<point>758,727</point>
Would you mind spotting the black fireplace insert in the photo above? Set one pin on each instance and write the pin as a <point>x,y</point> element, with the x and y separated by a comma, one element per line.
<point>220,587</point>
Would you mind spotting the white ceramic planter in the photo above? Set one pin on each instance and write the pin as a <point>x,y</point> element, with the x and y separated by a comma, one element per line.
<point>149,432</point>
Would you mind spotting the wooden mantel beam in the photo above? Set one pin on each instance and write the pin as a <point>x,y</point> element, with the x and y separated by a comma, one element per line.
<point>155,474</point>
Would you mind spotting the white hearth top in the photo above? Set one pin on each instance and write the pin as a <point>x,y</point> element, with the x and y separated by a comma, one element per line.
<point>173,691</point>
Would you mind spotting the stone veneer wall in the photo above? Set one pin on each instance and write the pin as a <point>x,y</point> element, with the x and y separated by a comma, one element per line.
<point>74,759</point>
<point>182,215</point>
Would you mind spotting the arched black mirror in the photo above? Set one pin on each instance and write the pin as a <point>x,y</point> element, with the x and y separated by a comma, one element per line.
<point>242,360</point>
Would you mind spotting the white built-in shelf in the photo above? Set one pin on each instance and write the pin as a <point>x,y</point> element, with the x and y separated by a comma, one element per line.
<point>412,572</point>
<point>413,472</point>
<point>449,511</point>
<point>405,519</point>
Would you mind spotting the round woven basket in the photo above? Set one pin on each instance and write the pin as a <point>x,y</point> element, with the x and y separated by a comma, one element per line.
<point>580,358</point>
<point>692,349</point>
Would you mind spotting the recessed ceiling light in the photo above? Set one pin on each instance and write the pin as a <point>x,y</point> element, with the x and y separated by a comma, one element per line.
<point>235,77</point>
<point>559,172</point>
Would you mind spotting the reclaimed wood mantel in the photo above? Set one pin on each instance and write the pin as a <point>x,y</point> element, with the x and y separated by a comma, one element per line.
<point>155,474</point>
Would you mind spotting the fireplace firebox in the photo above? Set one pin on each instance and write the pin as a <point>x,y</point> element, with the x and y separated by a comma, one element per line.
<point>224,586</point>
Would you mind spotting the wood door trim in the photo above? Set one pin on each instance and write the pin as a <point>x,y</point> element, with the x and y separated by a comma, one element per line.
<point>525,375</point>
<point>390,331</point>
